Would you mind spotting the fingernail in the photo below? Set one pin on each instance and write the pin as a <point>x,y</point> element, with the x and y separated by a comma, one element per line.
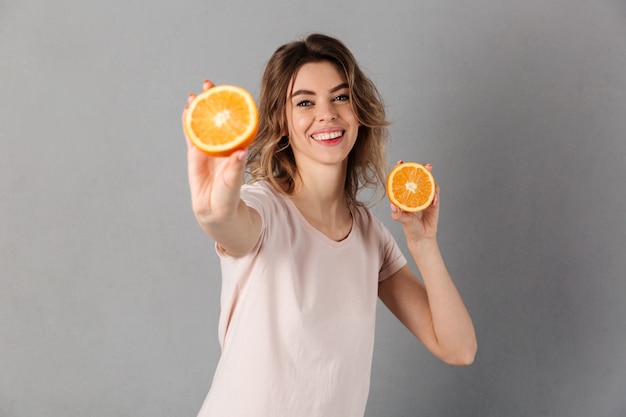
<point>243,155</point>
<point>393,207</point>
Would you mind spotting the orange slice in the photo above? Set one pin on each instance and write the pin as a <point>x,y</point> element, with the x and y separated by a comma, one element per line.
<point>411,186</point>
<point>221,120</point>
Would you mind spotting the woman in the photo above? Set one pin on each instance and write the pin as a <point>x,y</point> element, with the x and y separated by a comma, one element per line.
<point>303,261</point>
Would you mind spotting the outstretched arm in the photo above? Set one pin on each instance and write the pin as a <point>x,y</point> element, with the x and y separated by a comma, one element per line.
<point>215,197</point>
<point>433,310</point>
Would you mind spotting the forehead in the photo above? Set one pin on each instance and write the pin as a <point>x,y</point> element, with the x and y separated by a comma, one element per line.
<point>312,76</point>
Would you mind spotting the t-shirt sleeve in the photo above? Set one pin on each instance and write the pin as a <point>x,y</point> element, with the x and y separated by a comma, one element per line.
<point>393,258</point>
<point>259,199</point>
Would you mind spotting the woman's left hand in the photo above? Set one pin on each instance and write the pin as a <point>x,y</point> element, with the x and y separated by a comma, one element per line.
<point>422,224</point>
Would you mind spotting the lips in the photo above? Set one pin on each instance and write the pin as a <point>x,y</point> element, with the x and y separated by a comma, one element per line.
<point>327,135</point>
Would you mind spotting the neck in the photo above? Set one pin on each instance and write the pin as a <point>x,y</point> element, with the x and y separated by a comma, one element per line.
<point>320,197</point>
<point>323,187</point>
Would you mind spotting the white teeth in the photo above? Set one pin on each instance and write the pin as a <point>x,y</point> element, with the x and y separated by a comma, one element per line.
<point>327,136</point>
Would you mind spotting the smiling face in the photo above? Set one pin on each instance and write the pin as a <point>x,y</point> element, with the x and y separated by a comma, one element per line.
<point>322,124</point>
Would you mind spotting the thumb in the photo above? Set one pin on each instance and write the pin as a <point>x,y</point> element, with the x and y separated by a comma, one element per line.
<point>396,213</point>
<point>235,167</point>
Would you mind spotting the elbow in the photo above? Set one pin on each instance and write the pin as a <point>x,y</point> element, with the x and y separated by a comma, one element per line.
<point>461,357</point>
<point>461,360</point>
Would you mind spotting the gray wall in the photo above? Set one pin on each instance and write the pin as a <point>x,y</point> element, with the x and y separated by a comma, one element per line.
<point>109,292</point>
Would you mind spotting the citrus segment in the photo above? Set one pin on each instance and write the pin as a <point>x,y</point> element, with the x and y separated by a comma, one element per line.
<point>221,120</point>
<point>411,186</point>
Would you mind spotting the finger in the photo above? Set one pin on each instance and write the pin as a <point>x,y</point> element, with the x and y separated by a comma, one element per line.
<point>234,169</point>
<point>207,84</point>
<point>183,120</point>
<point>396,213</point>
<point>189,144</point>
<point>429,166</point>
<point>436,198</point>
<point>190,98</point>
<point>404,217</point>
<point>197,163</point>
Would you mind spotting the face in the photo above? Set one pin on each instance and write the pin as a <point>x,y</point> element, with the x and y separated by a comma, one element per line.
<point>322,124</point>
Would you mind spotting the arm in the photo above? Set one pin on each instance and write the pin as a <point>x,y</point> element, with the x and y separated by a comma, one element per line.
<point>433,310</point>
<point>215,197</point>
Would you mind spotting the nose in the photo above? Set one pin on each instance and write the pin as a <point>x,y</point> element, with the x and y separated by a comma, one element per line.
<point>326,112</point>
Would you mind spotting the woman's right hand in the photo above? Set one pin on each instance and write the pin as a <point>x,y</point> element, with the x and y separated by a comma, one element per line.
<point>214,181</point>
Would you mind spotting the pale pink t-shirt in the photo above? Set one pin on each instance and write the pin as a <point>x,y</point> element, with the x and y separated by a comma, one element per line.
<point>298,314</point>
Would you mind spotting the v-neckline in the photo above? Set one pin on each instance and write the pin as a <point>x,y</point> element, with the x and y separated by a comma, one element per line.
<point>317,231</point>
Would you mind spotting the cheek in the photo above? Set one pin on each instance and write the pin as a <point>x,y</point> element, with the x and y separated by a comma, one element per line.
<point>299,123</point>
<point>349,116</point>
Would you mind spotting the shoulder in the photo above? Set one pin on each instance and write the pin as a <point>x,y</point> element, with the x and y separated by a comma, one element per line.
<point>258,188</point>
<point>365,220</point>
<point>373,230</point>
<point>260,194</point>
<point>370,228</point>
<point>379,240</point>
<point>268,202</point>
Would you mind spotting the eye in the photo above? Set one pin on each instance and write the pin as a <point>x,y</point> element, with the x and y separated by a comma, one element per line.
<point>342,97</point>
<point>304,103</point>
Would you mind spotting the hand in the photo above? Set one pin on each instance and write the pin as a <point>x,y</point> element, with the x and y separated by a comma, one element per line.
<point>214,182</point>
<point>421,225</point>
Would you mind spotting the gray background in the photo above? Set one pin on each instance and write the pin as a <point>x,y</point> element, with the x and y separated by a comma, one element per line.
<point>109,292</point>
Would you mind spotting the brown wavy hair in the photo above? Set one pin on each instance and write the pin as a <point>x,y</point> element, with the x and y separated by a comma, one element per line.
<point>270,155</point>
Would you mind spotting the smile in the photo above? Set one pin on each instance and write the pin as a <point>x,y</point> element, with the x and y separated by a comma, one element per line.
<point>327,135</point>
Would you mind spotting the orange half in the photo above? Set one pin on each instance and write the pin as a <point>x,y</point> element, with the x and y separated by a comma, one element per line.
<point>411,186</point>
<point>221,120</point>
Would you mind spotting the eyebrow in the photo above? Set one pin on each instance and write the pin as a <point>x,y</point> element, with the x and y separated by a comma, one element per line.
<point>311,93</point>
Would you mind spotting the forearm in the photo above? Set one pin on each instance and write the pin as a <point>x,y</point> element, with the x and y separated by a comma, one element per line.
<point>452,324</point>
<point>235,232</point>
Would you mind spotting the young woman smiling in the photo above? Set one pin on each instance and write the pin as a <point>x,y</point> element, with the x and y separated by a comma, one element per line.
<point>303,260</point>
